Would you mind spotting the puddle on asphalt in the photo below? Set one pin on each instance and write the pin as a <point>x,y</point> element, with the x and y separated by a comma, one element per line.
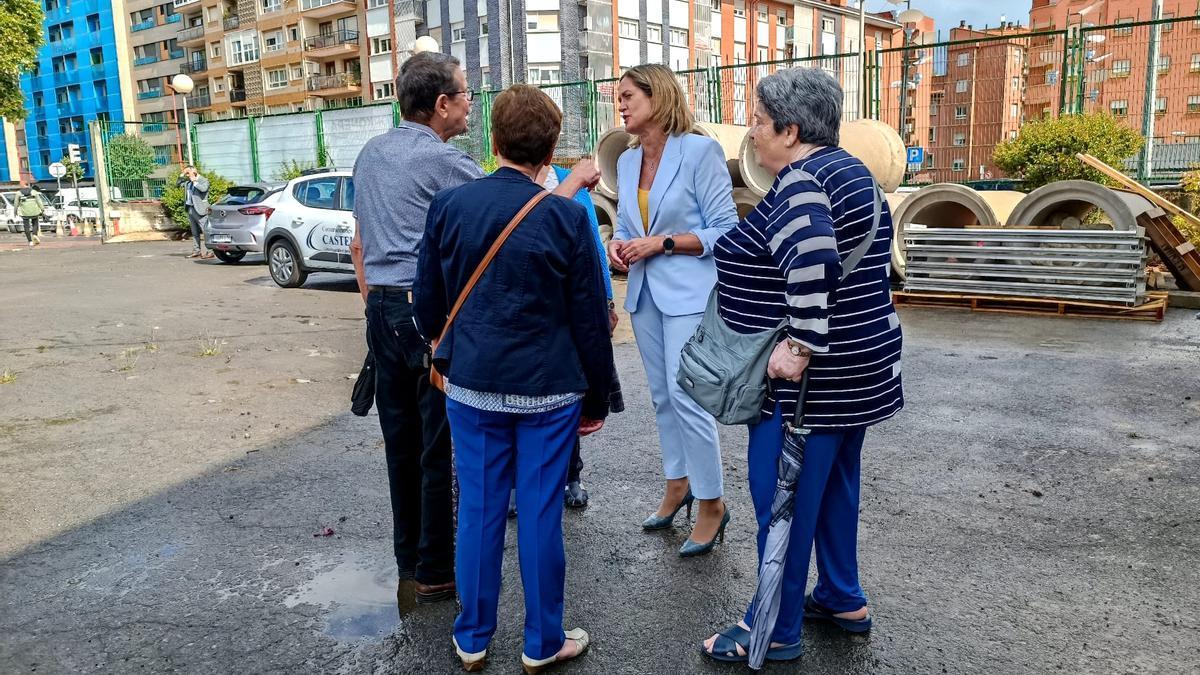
<point>358,596</point>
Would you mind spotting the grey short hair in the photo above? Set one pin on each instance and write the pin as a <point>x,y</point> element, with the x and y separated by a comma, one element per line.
<point>807,97</point>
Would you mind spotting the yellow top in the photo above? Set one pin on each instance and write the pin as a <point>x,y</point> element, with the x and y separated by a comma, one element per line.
<point>644,205</point>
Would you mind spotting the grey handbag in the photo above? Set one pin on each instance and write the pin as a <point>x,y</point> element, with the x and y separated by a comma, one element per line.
<point>724,371</point>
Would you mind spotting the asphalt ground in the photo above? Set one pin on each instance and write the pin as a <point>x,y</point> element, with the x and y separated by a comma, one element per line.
<point>175,433</point>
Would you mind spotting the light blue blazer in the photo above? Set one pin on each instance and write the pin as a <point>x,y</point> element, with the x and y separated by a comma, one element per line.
<point>692,193</point>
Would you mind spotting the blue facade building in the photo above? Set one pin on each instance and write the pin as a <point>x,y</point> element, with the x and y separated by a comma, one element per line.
<point>76,80</point>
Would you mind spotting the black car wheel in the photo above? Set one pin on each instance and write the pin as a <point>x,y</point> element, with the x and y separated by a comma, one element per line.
<point>230,257</point>
<point>285,264</point>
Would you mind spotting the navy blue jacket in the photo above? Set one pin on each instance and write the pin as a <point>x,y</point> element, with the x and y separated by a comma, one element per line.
<point>537,322</point>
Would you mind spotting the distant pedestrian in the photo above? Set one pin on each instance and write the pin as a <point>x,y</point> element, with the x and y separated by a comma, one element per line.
<point>195,201</point>
<point>29,207</point>
<point>396,176</point>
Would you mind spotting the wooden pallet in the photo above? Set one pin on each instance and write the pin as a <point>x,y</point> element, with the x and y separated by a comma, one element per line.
<point>1154,309</point>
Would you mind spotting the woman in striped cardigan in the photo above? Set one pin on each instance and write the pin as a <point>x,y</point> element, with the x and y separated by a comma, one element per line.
<point>784,262</point>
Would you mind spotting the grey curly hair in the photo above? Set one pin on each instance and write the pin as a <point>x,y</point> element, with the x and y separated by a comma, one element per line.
<point>806,97</point>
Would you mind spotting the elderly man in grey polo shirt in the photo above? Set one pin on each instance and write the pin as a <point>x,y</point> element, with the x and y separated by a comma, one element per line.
<point>395,178</point>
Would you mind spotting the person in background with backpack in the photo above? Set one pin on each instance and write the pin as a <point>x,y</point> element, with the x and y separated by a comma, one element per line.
<point>29,207</point>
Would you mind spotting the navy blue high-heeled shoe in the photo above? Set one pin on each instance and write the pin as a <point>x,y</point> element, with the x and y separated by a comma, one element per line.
<point>691,548</point>
<point>657,522</point>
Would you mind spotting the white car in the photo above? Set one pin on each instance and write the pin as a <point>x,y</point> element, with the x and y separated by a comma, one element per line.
<point>71,210</point>
<point>311,226</point>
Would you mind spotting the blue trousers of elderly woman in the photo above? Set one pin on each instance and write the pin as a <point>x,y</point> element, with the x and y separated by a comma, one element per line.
<point>493,452</point>
<point>826,515</point>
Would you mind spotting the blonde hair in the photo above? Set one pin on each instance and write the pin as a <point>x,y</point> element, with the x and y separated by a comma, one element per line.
<point>668,105</point>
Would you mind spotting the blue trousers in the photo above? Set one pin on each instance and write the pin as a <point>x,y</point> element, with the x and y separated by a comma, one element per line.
<point>493,452</point>
<point>826,514</point>
<point>686,433</point>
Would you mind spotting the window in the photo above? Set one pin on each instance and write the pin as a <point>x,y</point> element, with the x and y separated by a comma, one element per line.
<point>934,103</point>
<point>1195,65</point>
<point>1164,63</point>
<point>97,56</point>
<point>541,21</point>
<point>214,50</point>
<point>93,23</point>
<point>960,112</point>
<point>372,4</point>
<point>347,193</point>
<point>1121,67</point>
<point>1014,111</point>
<point>381,45</point>
<point>269,6</point>
<point>483,27</point>
<point>385,90</point>
<point>1160,105</point>
<point>1016,83</point>
<point>958,165</point>
<point>929,160</point>
<point>317,193</point>
<point>627,29</point>
<point>1120,107</point>
<point>1168,27</point>
<point>1051,77</point>
<point>277,79</point>
<point>1127,30</point>
<point>458,34</point>
<point>679,37</point>
<point>960,139</point>
<point>762,54</point>
<point>960,86</point>
<point>827,25</point>
<point>543,75</point>
<point>273,41</point>
<point>1193,105</point>
<point>654,33</point>
<point>762,14</point>
<point>964,59</point>
<point>781,18</point>
<point>297,73</point>
<point>932,135</point>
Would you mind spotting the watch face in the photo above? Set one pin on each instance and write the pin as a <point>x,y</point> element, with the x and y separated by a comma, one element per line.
<point>669,244</point>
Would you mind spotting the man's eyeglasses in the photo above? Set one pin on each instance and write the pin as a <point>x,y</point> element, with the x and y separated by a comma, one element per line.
<point>470,96</point>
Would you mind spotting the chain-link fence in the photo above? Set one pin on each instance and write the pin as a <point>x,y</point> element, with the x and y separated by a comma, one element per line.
<point>955,101</point>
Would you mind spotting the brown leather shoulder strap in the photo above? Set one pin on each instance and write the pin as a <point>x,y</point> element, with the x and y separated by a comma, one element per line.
<point>487,259</point>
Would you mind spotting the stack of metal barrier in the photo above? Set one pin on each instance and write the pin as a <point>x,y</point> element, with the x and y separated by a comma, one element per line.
<point>1056,264</point>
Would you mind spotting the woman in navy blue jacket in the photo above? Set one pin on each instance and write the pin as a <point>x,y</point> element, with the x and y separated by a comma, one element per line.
<point>528,367</point>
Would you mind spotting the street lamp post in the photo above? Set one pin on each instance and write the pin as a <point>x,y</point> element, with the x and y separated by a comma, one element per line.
<point>183,84</point>
<point>909,19</point>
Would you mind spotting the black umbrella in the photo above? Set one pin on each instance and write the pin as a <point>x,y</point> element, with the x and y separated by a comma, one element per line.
<point>770,571</point>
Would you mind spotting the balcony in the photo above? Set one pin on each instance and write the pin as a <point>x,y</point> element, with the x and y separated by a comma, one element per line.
<point>147,95</point>
<point>333,85</point>
<point>62,45</point>
<point>231,23</point>
<point>193,34</point>
<point>317,9</point>
<point>64,77</point>
<point>67,108</point>
<point>145,60</point>
<point>183,3</point>
<point>332,44</point>
<point>174,18</point>
<point>176,54</point>
<point>413,10</point>
<point>199,101</point>
<point>237,95</point>
<point>145,25</point>
<point>196,64</point>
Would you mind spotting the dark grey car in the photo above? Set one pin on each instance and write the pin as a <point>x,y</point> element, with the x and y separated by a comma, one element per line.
<point>237,224</point>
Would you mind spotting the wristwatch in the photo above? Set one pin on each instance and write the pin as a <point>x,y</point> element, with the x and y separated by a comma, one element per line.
<point>798,349</point>
<point>668,245</point>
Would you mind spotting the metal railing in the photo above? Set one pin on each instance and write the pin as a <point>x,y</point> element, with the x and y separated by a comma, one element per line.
<point>142,25</point>
<point>231,23</point>
<point>306,5</point>
<point>237,95</point>
<point>196,101</point>
<point>334,39</point>
<point>189,34</point>
<point>146,95</point>
<point>196,64</point>
<point>338,81</point>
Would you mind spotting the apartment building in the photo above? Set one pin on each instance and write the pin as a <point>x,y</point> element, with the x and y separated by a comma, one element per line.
<point>77,79</point>
<point>151,30</point>
<point>976,102</point>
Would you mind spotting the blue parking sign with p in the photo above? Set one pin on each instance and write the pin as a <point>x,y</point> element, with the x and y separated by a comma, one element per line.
<point>916,155</point>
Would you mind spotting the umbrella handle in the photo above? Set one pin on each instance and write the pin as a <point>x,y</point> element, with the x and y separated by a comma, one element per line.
<point>798,420</point>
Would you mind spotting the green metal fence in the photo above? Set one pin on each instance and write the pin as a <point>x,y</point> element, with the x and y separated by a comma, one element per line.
<point>955,99</point>
<point>140,157</point>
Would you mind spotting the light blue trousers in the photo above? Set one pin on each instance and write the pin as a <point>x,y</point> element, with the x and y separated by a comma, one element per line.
<point>686,433</point>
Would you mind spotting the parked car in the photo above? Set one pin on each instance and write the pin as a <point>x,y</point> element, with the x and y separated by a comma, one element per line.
<point>12,221</point>
<point>71,210</point>
<point>311,226</point>
<point>237,223</point>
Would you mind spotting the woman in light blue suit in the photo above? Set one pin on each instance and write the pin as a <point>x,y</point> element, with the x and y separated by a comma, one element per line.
<point>675,199</point>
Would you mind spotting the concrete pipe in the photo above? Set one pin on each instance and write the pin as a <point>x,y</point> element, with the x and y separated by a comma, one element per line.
<point>947,205</point>
<point>1079,204</point>
<point>874,143</point>
<point>616,141</point>
<point>606,215</point>
<point>745,199</point>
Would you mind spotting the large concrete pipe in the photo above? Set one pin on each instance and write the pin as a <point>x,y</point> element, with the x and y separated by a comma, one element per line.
<point>745,199</point>
<point>606,215</point>
<point>948,205</point>
<point>874,143</point>
<point>1079,204</point>
<point>616,141</point>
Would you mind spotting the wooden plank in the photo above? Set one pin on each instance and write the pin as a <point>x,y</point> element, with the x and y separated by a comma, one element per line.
<point>1152,310</point>
<point>1183,262</point>
<point>1134,186</point>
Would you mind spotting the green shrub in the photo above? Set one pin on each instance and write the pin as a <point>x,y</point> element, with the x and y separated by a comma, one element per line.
<point>172,198</point>
<point>1044,151</point>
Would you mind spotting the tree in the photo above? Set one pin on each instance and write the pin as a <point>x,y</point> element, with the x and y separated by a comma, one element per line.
<point>172,198</point>
<point>20,37</point>
<point>74,169</point>
<point>1044,151</point>
<point>130,158</point>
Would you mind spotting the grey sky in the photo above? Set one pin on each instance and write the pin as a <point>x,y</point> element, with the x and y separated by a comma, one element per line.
<point>947,13</point>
